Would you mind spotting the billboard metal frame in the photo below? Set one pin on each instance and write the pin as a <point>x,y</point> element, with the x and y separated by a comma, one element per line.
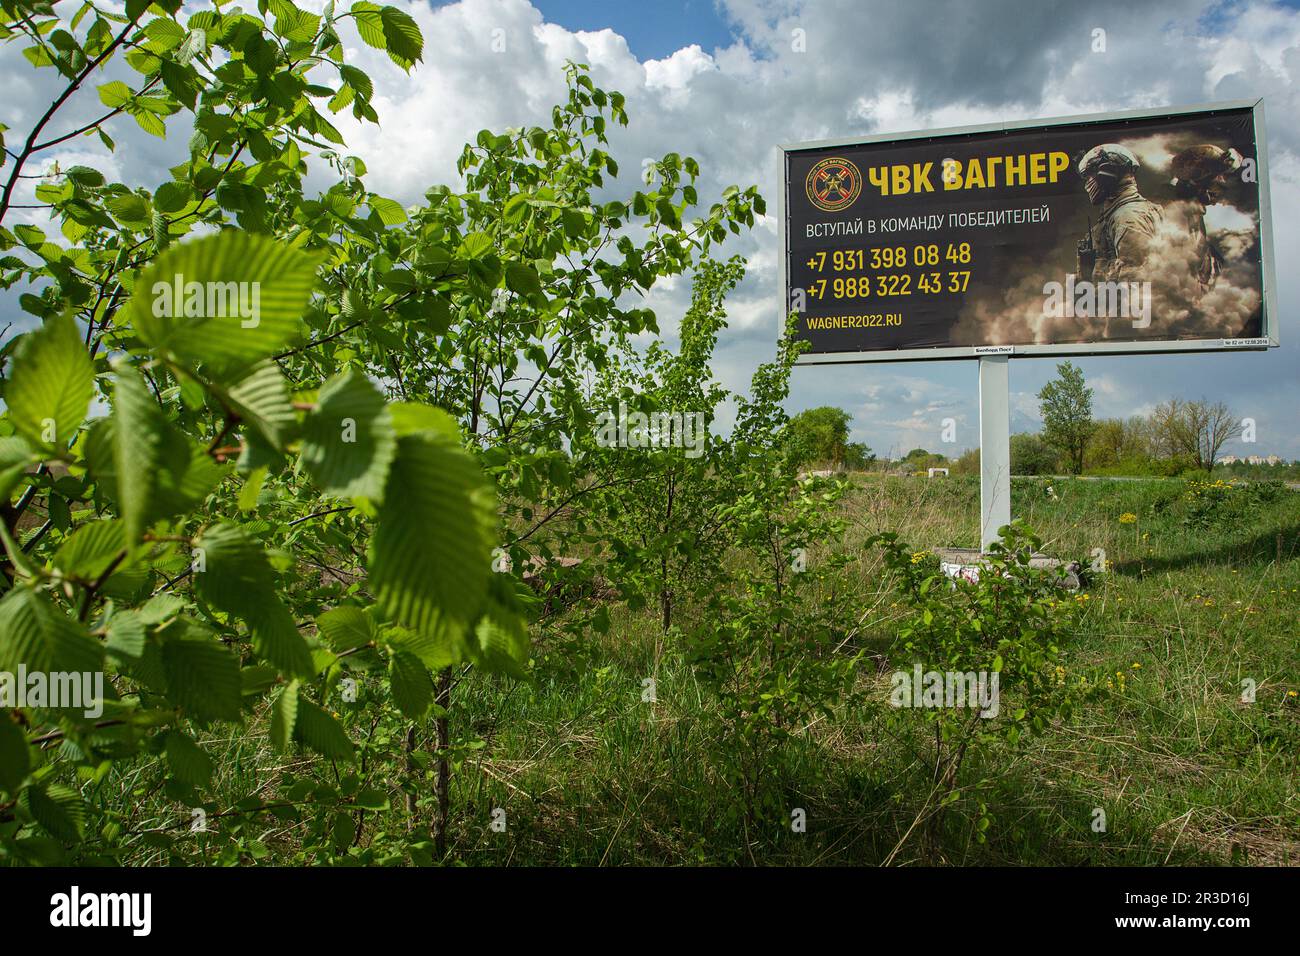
<point>1269,338</point>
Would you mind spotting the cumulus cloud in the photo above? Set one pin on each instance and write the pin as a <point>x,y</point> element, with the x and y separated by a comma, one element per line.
<point>800,70</point>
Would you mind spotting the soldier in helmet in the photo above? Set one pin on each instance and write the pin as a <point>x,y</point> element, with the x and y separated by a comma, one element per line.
<point>1200,180</point>
<point>1116,245</point>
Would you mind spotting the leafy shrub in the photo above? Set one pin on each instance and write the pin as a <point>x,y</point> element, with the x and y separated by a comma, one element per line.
<point>253,541</point>
<point>1011,621</point>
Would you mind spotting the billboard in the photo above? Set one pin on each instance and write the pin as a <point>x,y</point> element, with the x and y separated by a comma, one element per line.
<point>1125,232</point>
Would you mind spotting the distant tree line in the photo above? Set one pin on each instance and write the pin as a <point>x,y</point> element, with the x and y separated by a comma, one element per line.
<point>1179,436</point>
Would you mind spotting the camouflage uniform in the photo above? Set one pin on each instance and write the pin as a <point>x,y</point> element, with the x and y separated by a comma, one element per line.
<point>1200,178</point>
<point>1121,236</point>
<point>1117,244</point>
<point>1204,260</point>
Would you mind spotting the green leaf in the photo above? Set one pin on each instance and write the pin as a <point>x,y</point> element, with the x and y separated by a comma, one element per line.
<point>515,209</point>
<point>114,94</point>
<point>390,211</point>
<point>137,434</point>
<point>158,228</point>
<point>237,578</point>
<point>262,401</point>
<point>292,23</point>
<point>372,799</point>
<point>58,809</point>
<point>15,759</point>
<point>166,473</point>
<point>151,123</point>
<point>90,550</point>
<point>125,585</point>
<point>129,208</point>
<point>188,761</point>
<point>165,34</point>
<point>411,418</point>
<point>358,80</point>
<point>16,451</point>
<point>322,733</point>
<point>51,385</point>
<point>171,197</point>
<point>431,549</point>
<point>411,683</point>
<point>126,635</point>
<point>196,43</point>
<point>343,830</point>
<point>523,279</point>
<point>188,475</point>
<point>438,649</point>
<point>439,315</point>
<point>370,24</point>
<point>346,628</point>
<point>257,680</point>
<point>342,99</point>
<point>241,299</point>
<point>502,645</point>
<point>398,280</point>
<point>404,41</point>
<point>36,634</point>
<point>16,456</point>
<point>348,441</point>
<point>60,512</point>
<point>284,716</point>
<point>668,213</point>
<point>202,676</point>
<point>160,607</point>
<point>574,222</point>
<point>476,245</point>
<point>257,453</point>
<point>250,492</point>
<point>500,636</point>
<point>85,175</point>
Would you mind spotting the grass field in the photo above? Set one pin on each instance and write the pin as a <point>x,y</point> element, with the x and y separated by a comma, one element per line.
<point>1186,772</point>
<point>1201,594</point>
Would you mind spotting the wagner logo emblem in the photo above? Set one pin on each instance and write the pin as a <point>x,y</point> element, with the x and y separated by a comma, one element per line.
<point>833,184</point>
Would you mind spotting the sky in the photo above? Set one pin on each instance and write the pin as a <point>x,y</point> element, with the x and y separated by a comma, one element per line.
<point>727,81</point>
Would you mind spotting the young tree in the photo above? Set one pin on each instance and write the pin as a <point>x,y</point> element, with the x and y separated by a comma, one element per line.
<point>821,435</point>
<point>1066,406</point>
<point>272,507</point>
<point>1122,442</point>
<point>774,643</point>
<point>248,521</point>
<point>968,463</point>
<point>1195,430</point>
<point>1030,455</point>
<point>663,486</point>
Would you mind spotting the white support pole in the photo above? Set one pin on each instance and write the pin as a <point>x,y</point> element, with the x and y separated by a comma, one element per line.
<point>995,447</point>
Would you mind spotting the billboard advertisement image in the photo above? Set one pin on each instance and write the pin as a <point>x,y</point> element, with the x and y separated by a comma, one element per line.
<point>1125,233</point>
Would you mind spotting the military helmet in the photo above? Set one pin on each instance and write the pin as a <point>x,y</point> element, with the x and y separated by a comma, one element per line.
<point>1198,165</point>
<point>1104,166</point>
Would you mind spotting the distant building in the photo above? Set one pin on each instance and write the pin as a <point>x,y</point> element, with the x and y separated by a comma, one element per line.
<point>1251,460</point>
